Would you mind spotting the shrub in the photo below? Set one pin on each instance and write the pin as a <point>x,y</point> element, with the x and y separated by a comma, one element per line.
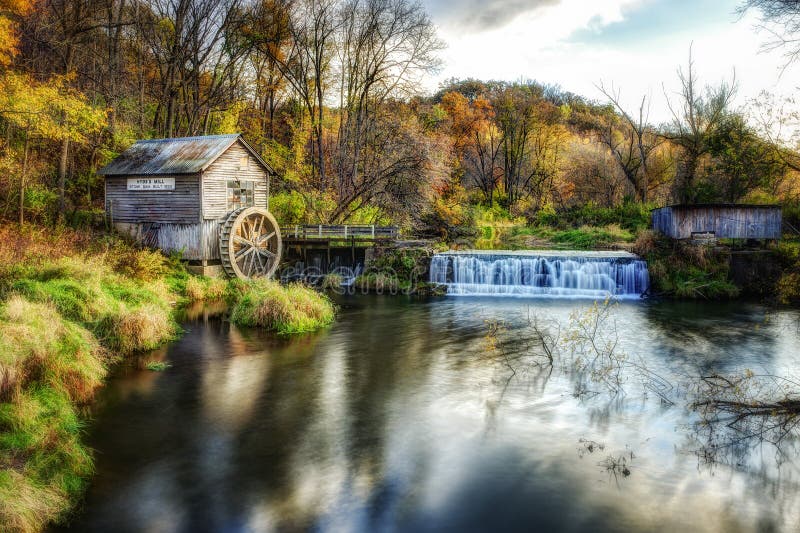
<point>683,270</point>
<point>144,265</point>
<point>288,207</point>
<point>405,264</point>
<point>788,288</point>
<point>332,282</point>
<point>295,308</point>
<point>646,242</point>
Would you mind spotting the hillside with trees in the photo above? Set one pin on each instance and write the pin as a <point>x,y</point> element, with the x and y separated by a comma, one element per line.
<point>330,94</point>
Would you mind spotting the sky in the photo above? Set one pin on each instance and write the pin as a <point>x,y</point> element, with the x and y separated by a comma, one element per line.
<point>634,45</point>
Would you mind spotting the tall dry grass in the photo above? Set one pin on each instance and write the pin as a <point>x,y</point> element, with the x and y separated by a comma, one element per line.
<point>289,309</point>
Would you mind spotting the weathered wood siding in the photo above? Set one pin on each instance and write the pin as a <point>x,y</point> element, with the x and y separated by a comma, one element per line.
<point>228,167</point>
<point>210,242</point>
<point>195,241</point>
<point>725,222</point>
<point>179,206</point>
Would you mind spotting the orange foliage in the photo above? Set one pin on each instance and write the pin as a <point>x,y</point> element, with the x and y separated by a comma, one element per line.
<point>467,118</point>
<point>9,11</point>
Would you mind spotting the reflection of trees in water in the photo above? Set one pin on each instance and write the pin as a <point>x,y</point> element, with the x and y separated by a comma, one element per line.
<point>733,415</point>
<point>712,336</point>
<point>343,424</point>
<point>328,417</point>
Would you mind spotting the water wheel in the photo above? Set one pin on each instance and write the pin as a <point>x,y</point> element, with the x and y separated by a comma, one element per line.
<point>250,243</point>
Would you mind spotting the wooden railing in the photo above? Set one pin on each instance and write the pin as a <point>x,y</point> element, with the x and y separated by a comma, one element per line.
<point>347,231</point>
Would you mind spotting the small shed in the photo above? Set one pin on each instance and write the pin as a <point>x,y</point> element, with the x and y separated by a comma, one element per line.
<point>206,197</point>
<point>722,221</point>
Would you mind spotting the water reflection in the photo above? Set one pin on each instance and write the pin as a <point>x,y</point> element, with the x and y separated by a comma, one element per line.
<point>395,420</point>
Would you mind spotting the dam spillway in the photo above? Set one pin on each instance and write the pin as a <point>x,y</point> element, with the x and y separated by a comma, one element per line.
<point>544,273</point>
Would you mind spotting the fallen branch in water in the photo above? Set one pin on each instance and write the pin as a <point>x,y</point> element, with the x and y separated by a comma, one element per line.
<point>743,411</point>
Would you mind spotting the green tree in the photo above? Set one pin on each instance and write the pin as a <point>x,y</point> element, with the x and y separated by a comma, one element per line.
<point>741,161</point>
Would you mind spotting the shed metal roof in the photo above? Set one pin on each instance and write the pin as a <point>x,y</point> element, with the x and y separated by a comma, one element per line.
<point>178,155</point>
<point>711,205</point>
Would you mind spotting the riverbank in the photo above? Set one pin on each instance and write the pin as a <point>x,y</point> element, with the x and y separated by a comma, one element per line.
<point>72,304</point>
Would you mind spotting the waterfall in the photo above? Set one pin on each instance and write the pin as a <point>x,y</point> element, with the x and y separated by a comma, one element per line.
<point>541,273</point>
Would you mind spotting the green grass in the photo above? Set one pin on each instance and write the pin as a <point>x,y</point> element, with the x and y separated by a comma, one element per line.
<point>686,271</point>
<point>124,314</point>
<point>633,217</point>
<point>157,366</point>
<point>49,366</point>
<point>583,238</point>
<point>288,310</point>
<point>70,306</point>
<point>67,311</point>
<point>204,289</point>
<point>381,282</point>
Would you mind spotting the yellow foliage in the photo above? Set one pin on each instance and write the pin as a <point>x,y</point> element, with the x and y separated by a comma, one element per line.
<point>51,109</point>
<point>9,9</point>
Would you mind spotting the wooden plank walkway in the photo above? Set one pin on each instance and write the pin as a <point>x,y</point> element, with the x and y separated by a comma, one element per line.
<point>323,232</point>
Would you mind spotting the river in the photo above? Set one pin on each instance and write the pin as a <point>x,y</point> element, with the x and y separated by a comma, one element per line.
<point>398,418</point>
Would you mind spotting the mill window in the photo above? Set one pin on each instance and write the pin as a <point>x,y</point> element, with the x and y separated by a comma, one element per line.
<point>240,194</point>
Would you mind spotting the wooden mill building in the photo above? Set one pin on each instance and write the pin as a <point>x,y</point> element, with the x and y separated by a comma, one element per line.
<point>721,221</point>
<point>206,197</point>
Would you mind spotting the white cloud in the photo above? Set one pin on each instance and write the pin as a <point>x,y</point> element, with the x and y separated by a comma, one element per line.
<point>537,45</point>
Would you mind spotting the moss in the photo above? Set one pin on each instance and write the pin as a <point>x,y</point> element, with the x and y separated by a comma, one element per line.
<point>430,289</point>
<point>287,310</point>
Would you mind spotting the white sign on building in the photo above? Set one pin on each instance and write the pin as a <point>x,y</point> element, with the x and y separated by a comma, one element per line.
<point>151,184</point>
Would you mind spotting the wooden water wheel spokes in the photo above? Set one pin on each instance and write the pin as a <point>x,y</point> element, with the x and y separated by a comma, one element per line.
<point>250,243</point>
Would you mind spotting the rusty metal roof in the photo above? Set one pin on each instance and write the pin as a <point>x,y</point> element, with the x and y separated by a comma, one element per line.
<point>719,205</point>
<point>179,155</point>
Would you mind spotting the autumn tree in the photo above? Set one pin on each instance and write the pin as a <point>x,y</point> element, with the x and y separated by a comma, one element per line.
<point>696,113</point>
<point>533,138</point>
<point>631,139</point>
<point>476,141</point>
